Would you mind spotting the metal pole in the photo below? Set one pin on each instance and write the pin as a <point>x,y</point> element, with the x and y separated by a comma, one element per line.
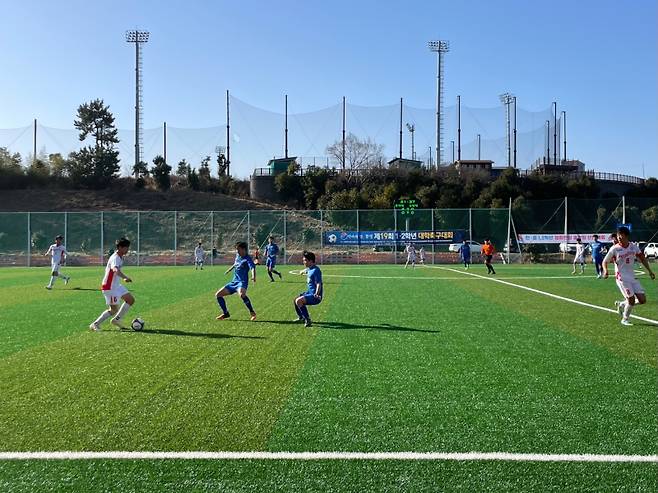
<point>34,143</point>
<point>413,150</point>
<point>343,133</point>
<point>165,142</point>
<point>212,239</point>
<point>228,137</point>
<point>286,133</point>
<point>623,209</point>
<point>509,227</point>
<point>554,132</point>
<point>66,228</point>
<point>470,224</point>
<point>566,227</point>
<point>479,148</point>
<point>400,128</point>
<point>548,141</point>
<point>438,109</point>
<point>358,239</point>
<point>139,233</point>
<point>102,257</point>
<point>248,228</point>
<point>509,147</point>
<point>433,244</point>
<point>514,99</point>
<point>564,122</point>
<point>459,128</point>
<point>137,156</point>
<point>321,239</point>
<point>430,157</point>
<point>29,239</point>
<point>175,237</point>
<point>285,238</point>
<point>395,242</point>
<point>452,143</point>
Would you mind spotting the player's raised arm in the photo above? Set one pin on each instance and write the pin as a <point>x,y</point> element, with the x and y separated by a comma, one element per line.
<point>609,257</point>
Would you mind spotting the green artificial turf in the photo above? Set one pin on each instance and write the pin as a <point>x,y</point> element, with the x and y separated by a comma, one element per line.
<point>430,359</point>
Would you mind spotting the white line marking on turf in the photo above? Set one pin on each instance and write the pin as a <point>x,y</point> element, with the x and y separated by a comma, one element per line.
<point>545,293</point>
<point>399,456</point>
<point>446,278</point>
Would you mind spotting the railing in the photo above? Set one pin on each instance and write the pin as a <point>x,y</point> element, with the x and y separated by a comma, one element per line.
<point>597,175</point>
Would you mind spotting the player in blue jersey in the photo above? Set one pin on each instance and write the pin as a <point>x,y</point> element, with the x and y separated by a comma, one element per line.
<point>313,295</point>
<point>242,265</point>
<point>465,254</point>
<point>271,251</point>
<point>597,249</point>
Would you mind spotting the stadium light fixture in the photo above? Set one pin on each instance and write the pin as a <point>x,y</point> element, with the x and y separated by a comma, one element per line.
<point>138,37</point>
<point>507,98</point>
<point>440,47</point>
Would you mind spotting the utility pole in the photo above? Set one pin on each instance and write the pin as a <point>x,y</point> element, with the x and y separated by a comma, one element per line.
<point>440,47</point>
<point>506,99</point>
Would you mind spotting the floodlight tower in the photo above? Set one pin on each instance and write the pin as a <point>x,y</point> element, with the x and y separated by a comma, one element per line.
<point>507,99</point>
<point>440,47</point>
<point>138,37</point>
<point>412,128</point>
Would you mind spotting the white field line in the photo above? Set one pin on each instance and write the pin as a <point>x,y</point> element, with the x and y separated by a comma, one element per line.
<point>551,295</point>
<point>305,456</point>
<point>457,278</point>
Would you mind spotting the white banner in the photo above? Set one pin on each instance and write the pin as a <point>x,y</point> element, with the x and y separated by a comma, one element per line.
<point>562,238</point>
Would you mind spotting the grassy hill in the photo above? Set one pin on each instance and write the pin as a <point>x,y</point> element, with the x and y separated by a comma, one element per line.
<point>40,199</point>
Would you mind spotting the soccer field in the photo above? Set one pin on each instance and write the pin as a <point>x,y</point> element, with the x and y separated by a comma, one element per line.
<point>429,360</point>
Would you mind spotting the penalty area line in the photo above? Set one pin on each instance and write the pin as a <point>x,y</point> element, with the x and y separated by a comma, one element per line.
<point>309,456</point>
<point>545,293</point>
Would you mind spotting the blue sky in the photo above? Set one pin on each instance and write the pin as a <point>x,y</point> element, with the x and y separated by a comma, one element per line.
<point>597,58</point>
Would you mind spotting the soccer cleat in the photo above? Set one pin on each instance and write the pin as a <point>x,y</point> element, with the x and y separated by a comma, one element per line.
<point>94,327</point>
<point>223,316</point>
<point>279,274</point>
<point>253,316</point>
<point>66,280</point>
<point>117,323</point>
<point>307,323</point>
<point>598,276</point>
<point>619,307</point>
<point>271,280</point>
<point>625,321</point>
<point>298,319</point>
<point>49,287</point>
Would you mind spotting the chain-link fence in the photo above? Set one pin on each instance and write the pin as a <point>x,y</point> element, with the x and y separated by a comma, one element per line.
<point>337,236</point>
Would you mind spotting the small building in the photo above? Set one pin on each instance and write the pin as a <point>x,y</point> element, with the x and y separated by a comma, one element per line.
<point>474,165</point>
<point>403,163</point>
<point>542,167</point>
<point>262,184</point>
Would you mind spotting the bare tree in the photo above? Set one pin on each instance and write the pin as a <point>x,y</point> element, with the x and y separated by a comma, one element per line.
<point>359,154</point>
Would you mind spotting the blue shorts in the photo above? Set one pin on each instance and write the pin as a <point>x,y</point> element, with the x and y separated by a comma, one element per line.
<point>466,260</point>
<point>233,286</point>
<point>597,260</point>
<point>310,299</point>
<point>271,262</point>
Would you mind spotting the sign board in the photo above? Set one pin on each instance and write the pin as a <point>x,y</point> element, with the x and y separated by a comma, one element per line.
<point>562,238</point>
<point>392,237</point>
<point>407,207</point>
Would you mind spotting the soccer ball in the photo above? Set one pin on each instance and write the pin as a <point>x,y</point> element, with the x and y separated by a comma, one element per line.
<point>137,324</point>
<point>332,238</point>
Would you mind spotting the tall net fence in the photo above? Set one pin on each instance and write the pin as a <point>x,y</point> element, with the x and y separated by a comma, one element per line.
<point>256,135</point>
<point>337,236</point>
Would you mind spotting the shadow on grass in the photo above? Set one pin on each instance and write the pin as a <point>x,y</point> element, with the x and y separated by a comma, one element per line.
<point>350,326</point>
<point>86,289</point>
<point>182,333</point>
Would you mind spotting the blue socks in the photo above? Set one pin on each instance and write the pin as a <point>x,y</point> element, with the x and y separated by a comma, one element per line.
<point>222,304</point>
<point>304,312</point>
<point>299,312</point>
<point>247,303</point>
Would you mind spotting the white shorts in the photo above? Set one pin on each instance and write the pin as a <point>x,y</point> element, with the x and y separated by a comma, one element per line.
<point>113,297</point>
<point>630,288</point>
<point>580,259</point>
<point>411,258</point>
<point>54,266</point>
<point>199,260</point>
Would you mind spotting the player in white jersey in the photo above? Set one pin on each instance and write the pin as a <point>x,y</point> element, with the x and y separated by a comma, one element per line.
<point>113,290</point>
<point>411,255</point>
<point>199,256</point>
<point>421,255</point>
<point>623,254</point>
<point>579,257</point>
<point>57,253</point>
